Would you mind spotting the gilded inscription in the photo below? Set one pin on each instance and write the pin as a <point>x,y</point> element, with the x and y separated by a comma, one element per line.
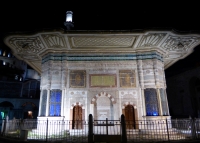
<point>102,80</point>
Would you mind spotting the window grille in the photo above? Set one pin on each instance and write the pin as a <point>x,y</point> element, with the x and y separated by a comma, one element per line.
<point>55,103</point>
<point>151,102</point>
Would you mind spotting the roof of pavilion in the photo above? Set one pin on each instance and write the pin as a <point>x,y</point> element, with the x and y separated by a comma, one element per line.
<point>31,47</point>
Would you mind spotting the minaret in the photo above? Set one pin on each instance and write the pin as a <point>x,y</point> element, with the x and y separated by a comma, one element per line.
<point>69,23</point>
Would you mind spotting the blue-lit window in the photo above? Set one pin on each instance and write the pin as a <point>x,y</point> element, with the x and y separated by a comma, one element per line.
<point>2,115</point>
<point>43,105</point>
<point>164,102</point>
<point>151,102</point>
<point>55,103</point>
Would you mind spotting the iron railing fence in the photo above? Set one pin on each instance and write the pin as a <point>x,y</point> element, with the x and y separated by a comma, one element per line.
<point>197,128</point>
<point>158,130</point>
<point>77,131</point>
<point>47,130</point>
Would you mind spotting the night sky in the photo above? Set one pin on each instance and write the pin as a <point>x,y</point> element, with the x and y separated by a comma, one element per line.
<point>182,17</point>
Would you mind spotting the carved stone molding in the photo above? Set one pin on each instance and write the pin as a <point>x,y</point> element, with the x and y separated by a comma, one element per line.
<point>31,57</point>
<point>110,46</point>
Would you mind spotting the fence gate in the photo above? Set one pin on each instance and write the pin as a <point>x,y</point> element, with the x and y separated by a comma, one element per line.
<point>107,130</point>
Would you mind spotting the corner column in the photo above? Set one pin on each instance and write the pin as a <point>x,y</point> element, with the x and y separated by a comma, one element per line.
<point>62,102</point>
<point>143,102</point>
<point>40,103</point>
<point>159,102</point>
<point>47,104</point>
<point>141,81</point>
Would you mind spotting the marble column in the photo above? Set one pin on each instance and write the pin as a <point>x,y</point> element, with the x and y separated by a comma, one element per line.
<point>159,102</point>
<point>40,103</point>
<point>143,102</point>
<point>47,103</point>
<point>62,102</point>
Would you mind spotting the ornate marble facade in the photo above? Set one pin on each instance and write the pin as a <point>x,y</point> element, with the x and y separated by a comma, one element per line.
<point>103,87</point>
<point>102,73</point>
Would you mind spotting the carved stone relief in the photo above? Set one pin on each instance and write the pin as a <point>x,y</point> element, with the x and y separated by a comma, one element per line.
<point>152,39</point>
<point>131,93</point>
<point>179,44</point>
<point>117,41</point>
<point>81,93</point>
<point>127,78</point>
<point>32,45</point>
<point>77,79</point>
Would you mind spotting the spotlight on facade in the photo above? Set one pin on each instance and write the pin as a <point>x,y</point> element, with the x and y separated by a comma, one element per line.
<point>69,23</point>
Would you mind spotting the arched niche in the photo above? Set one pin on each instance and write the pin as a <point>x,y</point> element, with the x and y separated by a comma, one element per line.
<point>103,106</point>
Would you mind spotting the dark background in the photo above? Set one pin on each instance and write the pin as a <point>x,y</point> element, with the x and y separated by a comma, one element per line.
<point>29,16</point>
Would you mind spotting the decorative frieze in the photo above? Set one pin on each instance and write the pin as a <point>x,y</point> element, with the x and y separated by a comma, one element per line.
<point>102,57</point>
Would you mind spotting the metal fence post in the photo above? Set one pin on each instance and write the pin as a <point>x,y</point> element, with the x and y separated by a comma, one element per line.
<point>90,130</point>
<point>106,126</point>
<point>193,129</point>
<point>4,127</point>
<point>123,126</point>
<point>167,130</point>
<point>47,130</point>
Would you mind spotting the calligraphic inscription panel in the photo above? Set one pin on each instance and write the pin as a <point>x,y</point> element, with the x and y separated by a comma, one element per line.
<point>102,80</point>
<point>77,78</point>
<point>127,78</point>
